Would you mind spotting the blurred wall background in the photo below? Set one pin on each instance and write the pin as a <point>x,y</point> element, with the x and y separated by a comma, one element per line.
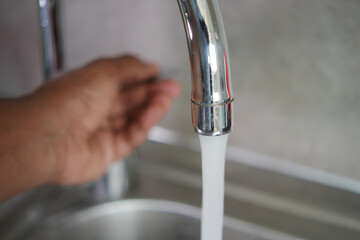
<point>295,67</point>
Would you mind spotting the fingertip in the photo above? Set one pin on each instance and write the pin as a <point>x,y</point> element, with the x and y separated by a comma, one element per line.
<point>153,67</point>
<point>170,87</point>
<point>157,108</point>
<point>150,71</point>
<point>175,87</point>
<point>151,117</point>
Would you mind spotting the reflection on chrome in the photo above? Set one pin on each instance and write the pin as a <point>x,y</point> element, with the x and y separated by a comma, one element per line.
<point>211,88</point>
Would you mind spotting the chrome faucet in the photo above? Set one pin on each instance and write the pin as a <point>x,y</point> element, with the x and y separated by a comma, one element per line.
<point>49,38</point>
<point>211,96</point>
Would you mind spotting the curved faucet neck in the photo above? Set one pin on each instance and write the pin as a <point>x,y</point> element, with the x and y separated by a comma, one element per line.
<point>211,96</point>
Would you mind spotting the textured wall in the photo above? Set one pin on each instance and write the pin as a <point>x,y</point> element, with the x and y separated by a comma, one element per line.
<point>20,61</point>
<point>295,66</point>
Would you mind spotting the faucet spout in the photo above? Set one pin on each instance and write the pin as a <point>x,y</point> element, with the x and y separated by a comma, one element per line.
<point>211,96</point>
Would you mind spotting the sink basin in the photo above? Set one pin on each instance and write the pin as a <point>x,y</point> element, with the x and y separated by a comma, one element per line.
<point>165,202</point>
<point>141,219</point>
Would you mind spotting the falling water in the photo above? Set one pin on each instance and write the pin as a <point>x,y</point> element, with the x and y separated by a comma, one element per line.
<point>213,163</point>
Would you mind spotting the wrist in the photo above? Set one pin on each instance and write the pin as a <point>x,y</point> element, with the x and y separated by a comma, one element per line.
<point>26,156</point>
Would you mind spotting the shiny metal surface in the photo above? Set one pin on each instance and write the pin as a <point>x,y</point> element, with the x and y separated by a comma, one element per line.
<point>277,46</point>
<point>49,37</point>
<point>143,219</point>
<point>258,203</point>
<point>120,178</point>
<point>211,96</point>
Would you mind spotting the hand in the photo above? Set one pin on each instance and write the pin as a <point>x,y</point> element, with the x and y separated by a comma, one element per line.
<point>75,126</point>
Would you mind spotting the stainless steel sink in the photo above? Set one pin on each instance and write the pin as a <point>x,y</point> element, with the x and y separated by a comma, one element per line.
<point>165,204</point>
<point>141,219</point>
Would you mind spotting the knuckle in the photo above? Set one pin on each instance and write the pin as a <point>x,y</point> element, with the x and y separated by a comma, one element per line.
<point>100,62</point>
<point>103,67</point>
<point>130,58</point>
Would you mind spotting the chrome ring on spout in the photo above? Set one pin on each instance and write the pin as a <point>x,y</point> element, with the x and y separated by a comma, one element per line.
<point>211,96</point>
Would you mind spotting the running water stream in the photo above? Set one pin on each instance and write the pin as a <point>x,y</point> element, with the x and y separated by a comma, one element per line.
<point>213,163</point>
